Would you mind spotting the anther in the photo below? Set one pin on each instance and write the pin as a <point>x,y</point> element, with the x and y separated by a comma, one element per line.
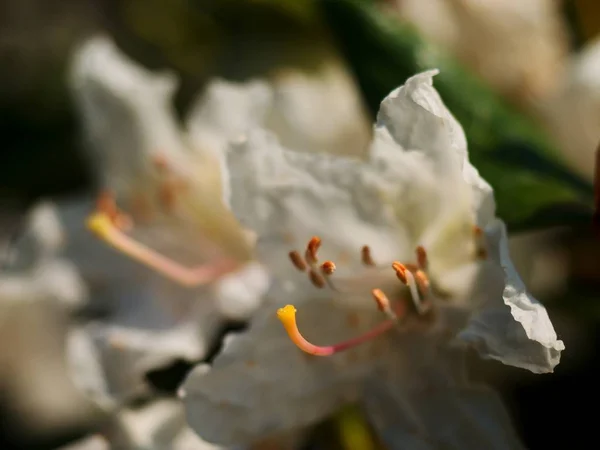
<point>328,267</point>
<point>400,270</point>
<point>366,258</point>
<point>316,279</point>
<point>421,257</point>
<point>312,250</point>
<point>297,261</point>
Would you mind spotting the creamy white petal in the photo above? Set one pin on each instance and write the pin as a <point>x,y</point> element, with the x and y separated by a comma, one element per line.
<point>287,197</point>
<point>512,326</point>
<point>85,366</point>
<point>238,295</point>
<point>153,426</point>
<point>95,442</point>
<point>128,117</point>
<point>319,111</point>
<point>127,112</point>
<point>261,384</point>
<point>227,110</point>
<point>150,329</point>
<point>453,418</point>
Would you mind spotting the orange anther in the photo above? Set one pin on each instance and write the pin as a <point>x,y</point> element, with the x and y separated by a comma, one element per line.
<point>316,279</point>
<point>297,261</point>
<point>366,256</point>
<point>421,257</point>
<point>383,303</point>
<point>400,271</point>
<point>312,250</point>
<point>328,267</point>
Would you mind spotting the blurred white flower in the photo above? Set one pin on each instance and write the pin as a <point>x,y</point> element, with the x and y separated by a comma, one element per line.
<point>167,178</point>
<point>417,204</point>
<point>519,47</point>
<point>38,291</point>
<point>572,115</point>
<point>159,425</point>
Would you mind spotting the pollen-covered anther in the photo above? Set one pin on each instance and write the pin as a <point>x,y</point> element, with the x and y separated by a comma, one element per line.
<point>415,279</point>
<point>328,267</point>
<point>366,257</point>
<point>383,304</point>
<point>287,316</point>
<point>312,250</point>
<point>297,261</point>
<point>400,270</point>
<point>316,279</point>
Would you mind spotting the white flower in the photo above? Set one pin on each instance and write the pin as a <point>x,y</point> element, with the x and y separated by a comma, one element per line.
<point>38,290</point>
<point>167,179</point>
<point>158,425</point>
<point>571,115</point>
<point>519,48</point>
<point>419,202</point>
<point>171,190</point>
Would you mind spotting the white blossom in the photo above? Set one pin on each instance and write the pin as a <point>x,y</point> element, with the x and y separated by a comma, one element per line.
<point>416,190</point>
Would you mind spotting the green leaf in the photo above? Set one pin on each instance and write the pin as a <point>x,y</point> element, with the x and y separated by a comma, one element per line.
<point>512,153</point>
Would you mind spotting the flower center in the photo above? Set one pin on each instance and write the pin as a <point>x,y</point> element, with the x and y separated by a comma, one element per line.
<point>412,275</point>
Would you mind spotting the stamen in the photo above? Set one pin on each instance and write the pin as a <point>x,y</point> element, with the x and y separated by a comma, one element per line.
<point>366,258</point>
<point>287,315</point>
<point>423,282</point>
<point>328,267</point>
<point>406,276</point>
<point>414,292</point>
<point>421,257</point>
<point>400,271</point>
<point>297,261</point>
<point>316,279</point>
<point>383,304</point>
<point>312,249</point>
<point>102,226</point>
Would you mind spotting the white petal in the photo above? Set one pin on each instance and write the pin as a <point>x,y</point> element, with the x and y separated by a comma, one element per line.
<point>287,197</point>
<point>319,111</point>
<point>228,110</point>
<point>188,440</point>
<point>129,119</point>
<point>95,442</point>
<point>453,418</point>
<point>127,111</point>
<point>151,330</point>
<point>416,117</point>
<point>517,330</point>
<point>261,383</point>
<point>86,368</point>
<point>238,295</point>
<point>153,426</point>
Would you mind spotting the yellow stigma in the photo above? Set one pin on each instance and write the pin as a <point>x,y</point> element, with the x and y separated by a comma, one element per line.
<point>99,224</point>
<point>287,315</point>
